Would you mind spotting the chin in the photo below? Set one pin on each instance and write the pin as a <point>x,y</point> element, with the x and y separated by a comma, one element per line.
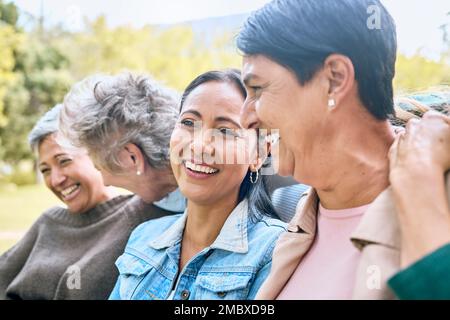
<point>77,207</point>
<point>197,196</point>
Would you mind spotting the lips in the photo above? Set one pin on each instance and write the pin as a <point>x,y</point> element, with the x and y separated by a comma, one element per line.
<point>199,171</point>
<point>200,168</point>
<point>70,192</point>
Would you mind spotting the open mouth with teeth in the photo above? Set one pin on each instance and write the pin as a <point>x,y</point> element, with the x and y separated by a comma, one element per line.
<point>70,192</point>
<point>198,170</point>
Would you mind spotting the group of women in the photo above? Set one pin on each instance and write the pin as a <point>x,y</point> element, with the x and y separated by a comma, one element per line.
<point>374,219</point>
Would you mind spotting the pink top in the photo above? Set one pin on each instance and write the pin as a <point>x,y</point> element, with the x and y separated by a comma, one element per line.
<point>328,269</point>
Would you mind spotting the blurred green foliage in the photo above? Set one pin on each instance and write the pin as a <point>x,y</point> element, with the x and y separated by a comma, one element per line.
<point>38,66</point>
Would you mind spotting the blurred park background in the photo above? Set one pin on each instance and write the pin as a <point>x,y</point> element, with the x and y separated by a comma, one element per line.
<point>47,45</point>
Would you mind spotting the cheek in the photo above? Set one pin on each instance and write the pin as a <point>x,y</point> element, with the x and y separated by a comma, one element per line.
<point>179,146</point>
<point>48,183</point>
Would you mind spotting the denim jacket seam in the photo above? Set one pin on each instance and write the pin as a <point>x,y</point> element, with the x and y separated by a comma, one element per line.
<point>150,262</point>
<point>268,255</point>
<point>218,269</point>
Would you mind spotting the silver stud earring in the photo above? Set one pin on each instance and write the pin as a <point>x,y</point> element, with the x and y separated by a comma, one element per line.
<point>138,173</point>
<point>253,181</point>
<point>331,103</point>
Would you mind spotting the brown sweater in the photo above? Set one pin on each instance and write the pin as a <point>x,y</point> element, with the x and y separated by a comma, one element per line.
<point>71,256</point>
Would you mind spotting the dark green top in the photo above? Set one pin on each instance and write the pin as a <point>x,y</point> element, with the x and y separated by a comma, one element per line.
<point>428,278</point>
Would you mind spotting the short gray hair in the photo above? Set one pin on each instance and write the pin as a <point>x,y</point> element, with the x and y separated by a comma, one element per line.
<point>104,113</point>
<point>46,125</point>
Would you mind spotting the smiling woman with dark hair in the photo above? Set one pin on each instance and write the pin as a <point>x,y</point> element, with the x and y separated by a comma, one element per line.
<point>221,247</point>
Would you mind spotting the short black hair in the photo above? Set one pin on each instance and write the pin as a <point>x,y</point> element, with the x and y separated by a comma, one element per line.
<point>301,34</point>
<point>257,193</point>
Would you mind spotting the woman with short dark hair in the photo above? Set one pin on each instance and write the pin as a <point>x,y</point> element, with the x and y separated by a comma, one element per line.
<point>321,73</point>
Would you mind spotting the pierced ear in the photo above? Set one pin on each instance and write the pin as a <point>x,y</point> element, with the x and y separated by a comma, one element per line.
<point>341,75</point>
<point>134,157</point>
<point>256,166</point>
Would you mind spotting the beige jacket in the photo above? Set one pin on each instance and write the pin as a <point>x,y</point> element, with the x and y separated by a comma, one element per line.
<point>377,237</point>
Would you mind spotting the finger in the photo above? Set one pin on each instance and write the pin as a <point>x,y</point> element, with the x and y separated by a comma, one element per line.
<point>433,113</point>
<point>393,150</point>
<point>398,129</point>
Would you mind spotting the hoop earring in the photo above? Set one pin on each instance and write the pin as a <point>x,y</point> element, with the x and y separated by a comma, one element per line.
<point>251,176</point>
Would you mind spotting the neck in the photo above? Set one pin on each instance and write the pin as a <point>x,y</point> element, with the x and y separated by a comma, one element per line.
<point>360,167</point>
<point>205,221</point>
<point>154,184</point>
<point>109,194</point>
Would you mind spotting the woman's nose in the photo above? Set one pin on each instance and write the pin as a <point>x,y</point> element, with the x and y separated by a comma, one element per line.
<point>249,118</point>
<point>57,178</point>
<point>202,146</point>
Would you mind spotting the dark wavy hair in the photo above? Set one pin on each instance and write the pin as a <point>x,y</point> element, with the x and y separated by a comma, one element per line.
<point>257,194</point>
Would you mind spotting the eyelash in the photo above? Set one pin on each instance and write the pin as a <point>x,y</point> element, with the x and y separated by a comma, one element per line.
<point>61,162</point>
<point>64,161</point>
<point>228,131</point>
<point>256,89</point>
<point>185,122</point>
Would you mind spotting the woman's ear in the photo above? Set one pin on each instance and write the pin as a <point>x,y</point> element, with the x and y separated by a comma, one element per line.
<point>132,158</point>
<point>340,73</point>
<point>256,165</point>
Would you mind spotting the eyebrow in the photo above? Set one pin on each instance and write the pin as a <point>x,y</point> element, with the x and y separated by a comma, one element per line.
<point>194,112</point>
<point>217,119</point>
<point>225,119</point>
<point>55,156</point>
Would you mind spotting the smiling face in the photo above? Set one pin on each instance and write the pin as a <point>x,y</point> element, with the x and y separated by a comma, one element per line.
<point>71,176</point>
<point>276,100</point>
<point>209,150</point>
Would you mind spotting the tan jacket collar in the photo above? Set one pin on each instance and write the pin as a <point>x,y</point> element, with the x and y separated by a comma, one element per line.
<point>379,225</point>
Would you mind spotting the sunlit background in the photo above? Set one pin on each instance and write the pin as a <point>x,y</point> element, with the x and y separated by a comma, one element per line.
<point>47,45</point>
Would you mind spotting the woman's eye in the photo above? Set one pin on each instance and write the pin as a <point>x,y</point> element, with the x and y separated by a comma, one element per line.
<point>187,123</point>
<point>256,89</point>
<point>65,161</point>
<point>45,171</point>
<point>228,131</point>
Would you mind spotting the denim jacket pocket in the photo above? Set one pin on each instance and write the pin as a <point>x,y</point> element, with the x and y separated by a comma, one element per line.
<point>132,271</point>
<point>223,286</point>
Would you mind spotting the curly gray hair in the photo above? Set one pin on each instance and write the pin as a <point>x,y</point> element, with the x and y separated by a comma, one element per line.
<point>104,113</point>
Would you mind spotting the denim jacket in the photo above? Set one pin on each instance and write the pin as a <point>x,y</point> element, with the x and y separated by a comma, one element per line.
<point>233,267</point>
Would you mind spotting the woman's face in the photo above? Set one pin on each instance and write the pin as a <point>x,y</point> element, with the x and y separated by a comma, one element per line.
<point>210,153</point>
<point>71,176</point>
<point>276,100</point>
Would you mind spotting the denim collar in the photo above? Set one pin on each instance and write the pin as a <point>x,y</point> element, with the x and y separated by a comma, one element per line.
<point>232,236</point>
<point>174,202</point>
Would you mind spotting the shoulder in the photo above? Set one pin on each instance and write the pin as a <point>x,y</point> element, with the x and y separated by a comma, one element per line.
<point>271,223</point>
<point>265,232</point>
<point>266,225</point>
<point>51,213</point>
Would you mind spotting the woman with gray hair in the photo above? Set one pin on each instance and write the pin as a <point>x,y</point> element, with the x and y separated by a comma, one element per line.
<point>69,253</point>
<point>125,122</point>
